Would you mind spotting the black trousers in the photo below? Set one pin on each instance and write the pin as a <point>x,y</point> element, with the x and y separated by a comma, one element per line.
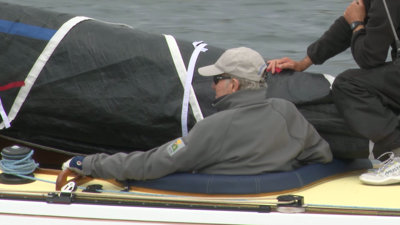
<point>369,101</point>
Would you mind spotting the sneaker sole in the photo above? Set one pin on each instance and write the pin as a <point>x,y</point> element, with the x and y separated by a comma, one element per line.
<point>386,181</point>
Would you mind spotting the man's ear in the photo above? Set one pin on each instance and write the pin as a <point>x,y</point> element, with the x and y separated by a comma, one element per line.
<point>235,85</point>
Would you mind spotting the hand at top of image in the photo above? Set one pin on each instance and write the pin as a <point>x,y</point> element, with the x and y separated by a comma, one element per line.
<point>355,12</point>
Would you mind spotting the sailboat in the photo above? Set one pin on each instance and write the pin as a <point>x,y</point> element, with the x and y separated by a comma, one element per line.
<point>72,85</point>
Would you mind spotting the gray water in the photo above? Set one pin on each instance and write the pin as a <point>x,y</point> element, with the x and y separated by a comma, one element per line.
<point>275,28</point>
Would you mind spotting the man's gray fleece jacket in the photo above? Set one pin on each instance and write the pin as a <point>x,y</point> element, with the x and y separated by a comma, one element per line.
<point>249,135</point>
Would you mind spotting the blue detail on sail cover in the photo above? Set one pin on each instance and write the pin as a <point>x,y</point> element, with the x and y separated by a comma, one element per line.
<point>26,30</point>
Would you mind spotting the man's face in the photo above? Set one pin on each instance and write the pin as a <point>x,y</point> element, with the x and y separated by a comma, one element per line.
<point>223,87</point>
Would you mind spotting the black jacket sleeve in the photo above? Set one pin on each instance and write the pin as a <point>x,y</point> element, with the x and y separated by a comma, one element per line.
<point>370,46</point>
<point>333,41</point>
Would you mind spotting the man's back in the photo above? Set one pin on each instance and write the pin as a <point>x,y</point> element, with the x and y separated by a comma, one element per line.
<point>254,135</point>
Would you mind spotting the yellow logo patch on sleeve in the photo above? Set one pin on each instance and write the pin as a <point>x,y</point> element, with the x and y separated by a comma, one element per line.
<point>175,147</point>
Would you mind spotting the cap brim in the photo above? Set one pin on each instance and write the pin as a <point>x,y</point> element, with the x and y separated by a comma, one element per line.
<point>210,70</point>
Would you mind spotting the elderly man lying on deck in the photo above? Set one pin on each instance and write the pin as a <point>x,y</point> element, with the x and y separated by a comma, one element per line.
<point>249,135</point>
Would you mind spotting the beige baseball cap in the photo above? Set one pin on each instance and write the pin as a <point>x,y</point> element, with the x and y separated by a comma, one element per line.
<point>241,62</point>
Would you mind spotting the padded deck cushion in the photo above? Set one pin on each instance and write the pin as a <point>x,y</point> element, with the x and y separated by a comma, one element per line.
<point>252,184</point>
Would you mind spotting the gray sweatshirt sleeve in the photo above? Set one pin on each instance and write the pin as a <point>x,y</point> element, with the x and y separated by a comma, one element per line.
<point>135,165</point>
<point>180,155</point>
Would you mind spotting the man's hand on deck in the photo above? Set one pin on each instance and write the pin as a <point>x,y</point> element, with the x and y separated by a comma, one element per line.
<point>74,164</point>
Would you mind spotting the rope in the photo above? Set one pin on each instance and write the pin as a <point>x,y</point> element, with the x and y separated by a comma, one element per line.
<point>18,165</point>
<point>23,165</point>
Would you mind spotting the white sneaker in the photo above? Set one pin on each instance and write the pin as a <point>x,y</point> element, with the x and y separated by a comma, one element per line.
<point>389,173</point>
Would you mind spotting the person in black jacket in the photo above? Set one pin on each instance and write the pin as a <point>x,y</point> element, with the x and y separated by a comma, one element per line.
<point>367,97</point>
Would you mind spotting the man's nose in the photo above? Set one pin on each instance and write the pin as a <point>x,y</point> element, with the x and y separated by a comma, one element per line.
<point>213,85</point>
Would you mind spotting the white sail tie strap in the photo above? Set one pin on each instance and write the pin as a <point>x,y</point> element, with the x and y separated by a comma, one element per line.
<point>4,115</point>
<point>330,79</point>
<point>2,110</point>
<point>39,65</point>
<point>182,72</point>
<point>371,148</point>
<point>199,46</point>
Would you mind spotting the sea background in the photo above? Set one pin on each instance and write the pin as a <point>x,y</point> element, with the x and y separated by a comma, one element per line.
<point>274,28</point>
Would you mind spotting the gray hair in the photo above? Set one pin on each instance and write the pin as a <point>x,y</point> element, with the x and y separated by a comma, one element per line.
<point>245,84</point>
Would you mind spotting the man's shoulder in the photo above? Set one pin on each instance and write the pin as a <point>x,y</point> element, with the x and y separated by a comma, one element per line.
<point>283,106</point>
<point>280,102</point>
<point>218,116</point>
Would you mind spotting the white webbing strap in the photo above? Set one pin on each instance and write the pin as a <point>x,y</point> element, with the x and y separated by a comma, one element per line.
<point>4,115</point>
<point>371,148</point>
<point>39,64</point>
<point>188,84</point>
<point>330,79</point>
<point>182,72</point>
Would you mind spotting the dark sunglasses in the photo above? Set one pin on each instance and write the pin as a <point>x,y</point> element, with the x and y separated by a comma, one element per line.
<point>219,77</point>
